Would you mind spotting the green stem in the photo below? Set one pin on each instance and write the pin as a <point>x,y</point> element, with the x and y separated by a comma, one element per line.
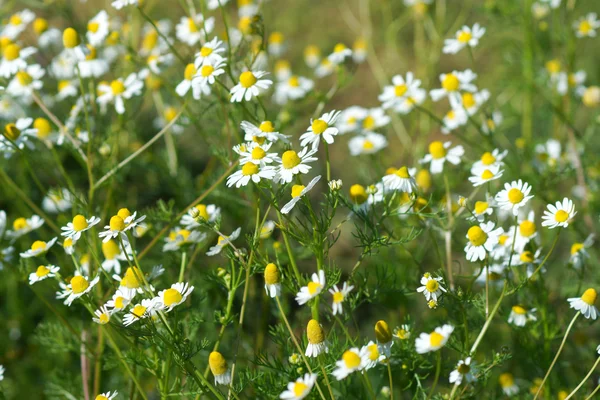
<point>438,369</point>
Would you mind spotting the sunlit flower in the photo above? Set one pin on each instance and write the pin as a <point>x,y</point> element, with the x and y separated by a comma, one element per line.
<point>489,160</point>
<point>559,215</point>
<point>219,368</point>
<point>490,123</point>
<point>42,272</point>
<point>250,85</point>
<point>464,371</point>
<point>22,226</point>
<point>276,44</point>
<point>508,385</point>
<point>586,26</point>
<point>312,56</point>
<point>102,316</point>
<point>324,68</point>
<point>200,212</point>
<point>17,134</point>
<point>519,315</point>
<point>485,175</point>
<point>119,300</point>
<point>482,239</point>
<point>272,280</point>
<point>170,298</point>
<point>79,224</point>
<point>586,303</point>
<point>25,82</point>
<point>453,83</point>
<point>192,30</point>
<point>209,52</point>
<point>323,127</point>
<point>17,23</point>
<point>312,290</point>
<point>255,153</point>
<point>579,251</point>
<point>402,90</point>
<point>431,287</point>
<point>466,36</point>
<point>109,395</point>
<point>298,191</point>
<point>38,247</point>
<point>293,163</point>
<point>300,388</point>
<point>514,196</point>
<point>223,241</point>
<point>439,153</point>
<point>402,332</point>
<point>359,50</point>
<point>351,361</point>
<point>340,52</point>
<point>120,90</point>
<point>316,339</point>
<point>339,296</point>
<point>77,287</point>
<point>293,88</point>
<point>258,134</point>
<point>98,29</point>
<point>369,143</point>
<point>250,171</point>
<point>453,119</point>
<point>428,342</point>
<point>147,308</point>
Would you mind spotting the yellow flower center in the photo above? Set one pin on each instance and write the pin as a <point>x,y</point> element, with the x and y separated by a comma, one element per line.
<point>400,90</point>
<point>487,158</point>
<point>402,172</point>
<point>401,333</point>
<point>561,216</point>
<point>515,196</point>
<point>24,78</point>
<point>313,287</point>
<point>190,71</point>
<point>120,302</point>
<point>43,127</point>
<point>207,71</point>
<point>450,83</point>
<point>38,245</point>
<point>576,248</point>
<point>487,174</point>
<point>258,153</point>
<point>12,132</point>
<point>437,150</point>
<point>266,126</point>
<point>476,236</point>
<point>276,37</point>
<point>290,159</point>
<point>338,297</point>
<point>319,126</point>
<point>272,274</point>
<point>526,256</point>
<point>506,380</point>
<point>79,284</point>
<point>117,87</point>
<point>205,51</point>
<point>150,40</point>
<point>110,250</point>
<point>249,169</point>
<point>131,280</point>
<point>19,224</point>
<point>70,38</point>
<point>172,296</point>
<point>42,271</point>
<point>170,113</point>
<point>79,222</point>
<point>247,79</point>
<point>480,207</point>
<point>138,311</point>
<point>589,296</point>
<point>373,352</point>
<point>451,115</point>
<point>351,359</point>
<point>358,194</point>
<point>369,122</point>
<point>553,66</point>
<point>368,145</point>
<point>217,363</point>
<point>124,213</point>
<point>464,36</point>
<point>585,27</point>
<point>294,81</point>
<point>519,310</point>
<point>116,223</point>
<point>203,211</point>
<point>101,397</point>
<point>192,25</point>
<point>297,190</point>
<point>432,285</point>
<point>339,48</point>
<point>15,19</point>
<point>527,228</point>
<point>11,52</point>
<point>104,318</point>
<point>436,339</point>
<point>299,389</point>
<point>314,332</point>
<point>468,100</point>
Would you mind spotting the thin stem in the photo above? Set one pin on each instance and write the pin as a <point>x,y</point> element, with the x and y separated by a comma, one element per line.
<point>326,377</point>
<point>557,354</point>
<point>437,374</point>
<point>182,268</point>
<point>593,393</point>
<point>584,380</point>
<point>167,41</point>
<point>448,233</point>
<point>389,368</point>
<point>489,320</point>
<point>289,250</point>
<point>547,255</point>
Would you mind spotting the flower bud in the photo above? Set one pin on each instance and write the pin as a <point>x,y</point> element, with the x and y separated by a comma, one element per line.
<point>383,332</point>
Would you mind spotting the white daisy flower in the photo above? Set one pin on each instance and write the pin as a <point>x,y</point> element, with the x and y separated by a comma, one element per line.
<point>312,290</point>
<point>208,213</point>
<point>223,241</point>
<point>250,171</point>
<point>113,255</point>
<point>293,88</point>
<point>482,209</point>
<point>579,251</point>
<point>549,153</point>
<point>519,315</point>
<point>359,50</point>
<point>464,371</point>
<point>431,288</point>
<point>210,52</point>
<point>25,82</point>
<point>272,280</point>
<point>17,23</point>
<point>147,308</point>
<point>118,4</point>
<point>402,332</point>
<point>351,361</point>
<point>98,29</point>
<point>439,153</point>
<point>316,339</point>
<point>400,179</point>
<point>507,383</point>
<point>514,196</point>
<point>109,395</point>
<point>17,134</point>
<point>38,247</point>
<point>339,296</point>
<point>120,90</point>
<point>574,80</point>
<point>293,163</point>
<point>102,316</point>
<point>298,191</point>
<point>370,355</point>
<point>482,239</point>
<point>250,85</point>
<point>21,226</point>
<point>490,123</point>
<point>276,44</point>
<point>324,68</point>
<point>42,272</point>
<point>485,175</point>
<point>350,119</point>
<point>340,53</point>
<point>300,388</point>
<point>79,224</point>
<point>192,31</point>
<point>453,83</point>
<point>255,153</point>
<point>489,160</point>
<point>174,296</point>
<point>466,36</point>
<point>312,56</point>
<point>267,229</point>
<point>218,367</point>
<point>585,303</point>
<point>258,134</point>
<point>77,287</point>
<point>323,127</point>
<point>185,85</point>
<point>453,119</point>
<point>586,26</point>
<point>428,342</point>
<point>559,214</point>
<point>369,143</point>
<point>403,88</point>
<point>119,300</point>
<point>214,4</point>
<point>91,66</point>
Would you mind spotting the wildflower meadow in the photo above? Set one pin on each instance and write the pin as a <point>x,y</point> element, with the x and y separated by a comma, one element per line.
<point>299,199</point>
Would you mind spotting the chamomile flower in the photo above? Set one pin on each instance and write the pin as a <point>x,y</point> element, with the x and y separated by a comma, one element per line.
<point>339,296</point>
<point>586,303</point>
<point>250,85</point>
<point>192,30</point>
<point>293,163</point>
<point>370,143</point>
<point>276,44</point>
<point>312,289</point>
<point>312,56</point>
<point>507,383</point>
<point>118,4</point>
<point>400,179</point>
<point>402,332</point>
<point>272,280</point>
<point>186,84</point>
<point>218,367</point>
<point>323,127</point>
<point>464,371</point>
<point>91,66</point>
<point>293,88</point>
<point>69,246</point>
<point>453,84</point>
<point>489,160</point>
<point>491,123</point>
<point>113,255</point>
<point>98,29</point>
<point>42,272</point>
<point>222,242</point>
<point>428,342</point>
<point>559,215</point>
<point>178,238</point>
<point>264,131</point>
<point>370,355</point>
<point>384,337</point>
<point>298,191</point>
<point>300,388</point>
<point>2,373</point>
<point>485,175</point>
<point>22,226</point>
<point>439,153</point>
<point>316,339</point>
<point>351,361</point>
<point>209,52</point>
<point>109,395</point>
<point>403,88</point>
<point>200,212</point>
<point>77,287</point>
<point>16,134</point>
<point>17,23</point>
<point>579,251</point>
<point>79,224</point>
<point>147,308</point>
<point>170,298</point>
<point>431,287</point>
<point>206,76</point>
<point>340,53</point>
<point>25,82</point>
<point>324,68</point>
<point>359,50</point>
<point>374,118</point>
<point>119,300</point>
<point>454,118</point>
<point>267,229</point>
<point>519,315</point>
<point>120,90</point>
<point>114,229</point>
<point>482,239</point>
<point>250,171</point>
<point>514,196</point>
<point>466,36</point>
<point>586,26</point>
<point>255,153</point>
<point>102,316</point>
<point>38,247</point>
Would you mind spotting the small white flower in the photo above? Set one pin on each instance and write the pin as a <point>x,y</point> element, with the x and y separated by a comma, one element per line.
<point>255,153</point>
<point>293,88</point>
<point>293,163</point>
<point>482,239</point>
<point>351,361</point>
<point>174,296</point>
<point>147,308</point>
<point>223,241</point>
<point>192,30</point>
<point>485,175</point>
<point>258,134</point>
<point>559,215</point>
<point>120,90</point>
<point>312,290</point>
<point>102,316</point>
<point>400,179</point>
<point>453,83</point>
<point>25,82</point>
<point>339,296</point>
<point>579,251</point>
<point>98,29</point>
<point>57,200</point>
<point>250,85</point>
<point>519,315</point>
<point>17,23</point>
<point>453,119</point>
<point>118,4</point>
<point>340,53</point>
<point>119,300</point>
<point>21,226</point>
<point>79,224</point>
<point>428,342</point>
<point>298,191</point>
<point>466,36</point>
<point>439,153</point>
<point>431,288</point>
<point>209,52</point>
<point>370,355</point>
<point>323,127</point>
<point>370,143</point>
<point>585,303</point>
<point>42,272</point>
<point>490,124</point>
<point>489,160</point>
<point>300,388</point>
<point>181,237</point>
<point>586,26</point>
<point>514,196</point>
<point>38,247</point>
<point>250,171</point>
<point>77,287</point>
<point>402,91</point>
<point>464,371</point>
